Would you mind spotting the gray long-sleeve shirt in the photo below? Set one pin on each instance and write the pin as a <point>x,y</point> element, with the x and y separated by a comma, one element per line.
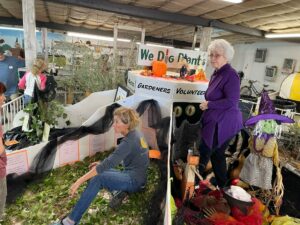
<point>133,151</point>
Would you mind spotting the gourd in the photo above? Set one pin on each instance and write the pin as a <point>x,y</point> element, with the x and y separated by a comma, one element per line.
<point>159,68</point>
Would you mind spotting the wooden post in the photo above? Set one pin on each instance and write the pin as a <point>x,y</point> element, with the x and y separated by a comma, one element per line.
<point>195,38</point>
<point>28,9</point>
<point>205,38</point>
<point>45,43</point>
<point>143,36</point>
<point>115,40</point>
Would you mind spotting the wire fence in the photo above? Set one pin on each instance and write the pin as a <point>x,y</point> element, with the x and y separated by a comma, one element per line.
<point>9,110</point>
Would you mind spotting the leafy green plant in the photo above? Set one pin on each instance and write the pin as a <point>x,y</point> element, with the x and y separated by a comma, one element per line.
<point>95,71</point>
<point>48,199</point>
<point>57,60</point>
<point>40,113</point>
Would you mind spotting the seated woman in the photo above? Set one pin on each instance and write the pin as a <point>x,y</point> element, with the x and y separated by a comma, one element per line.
<point>132,150</point>
<point>32,78</point>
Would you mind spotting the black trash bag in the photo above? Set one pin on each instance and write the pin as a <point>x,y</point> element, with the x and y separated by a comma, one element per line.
<point>18,135</point>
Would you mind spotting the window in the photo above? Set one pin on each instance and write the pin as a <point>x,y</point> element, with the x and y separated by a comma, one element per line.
<point>288,66</point>
<point>260,55</point>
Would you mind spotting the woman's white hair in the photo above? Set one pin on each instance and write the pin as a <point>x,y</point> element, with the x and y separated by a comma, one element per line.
<point>221,45</point>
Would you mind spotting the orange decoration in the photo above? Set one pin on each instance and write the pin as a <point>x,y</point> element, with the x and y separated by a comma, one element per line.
<point>159,68</point>
<point>200,76</point>
<point>154,154</point>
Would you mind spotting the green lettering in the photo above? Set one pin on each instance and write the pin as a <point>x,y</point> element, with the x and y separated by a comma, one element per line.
<point>144,53</point>
<point>179,56</point>
<point>198,60</point>
<point>171,58</point>
<point>151,56</point>
<point>194,61</point>
<point>161,55</point>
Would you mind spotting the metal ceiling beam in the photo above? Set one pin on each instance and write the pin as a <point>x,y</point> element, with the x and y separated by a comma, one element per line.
<point>56,26</point>
<point>66,27</point>
<point>154,14</point>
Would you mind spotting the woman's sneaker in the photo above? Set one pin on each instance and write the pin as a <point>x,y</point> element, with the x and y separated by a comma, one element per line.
<point>117,199</point>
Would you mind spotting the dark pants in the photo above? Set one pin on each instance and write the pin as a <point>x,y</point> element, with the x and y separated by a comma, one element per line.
<point>218,161</point>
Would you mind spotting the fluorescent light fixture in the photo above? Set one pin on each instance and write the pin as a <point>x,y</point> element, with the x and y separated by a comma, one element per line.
<point>96,37</point>
<point>159,45</point>
<point>290,35</point>
<point>14,28</point>
<point>233,1</point>
<point>11,28</point>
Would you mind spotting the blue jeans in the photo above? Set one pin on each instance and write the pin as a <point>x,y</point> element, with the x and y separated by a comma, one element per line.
<point>112,180</point>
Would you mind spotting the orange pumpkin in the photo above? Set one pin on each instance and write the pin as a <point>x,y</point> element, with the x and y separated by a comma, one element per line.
<point>159,68</point>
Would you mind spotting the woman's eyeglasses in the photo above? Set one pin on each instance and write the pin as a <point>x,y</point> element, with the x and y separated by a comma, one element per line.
<point>214,55</point>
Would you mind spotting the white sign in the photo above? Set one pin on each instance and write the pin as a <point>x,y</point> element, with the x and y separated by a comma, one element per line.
<point>68,152</point>
<point>131,83</point>
<point>17,162</point>
<point>172,56</point>
<point>168,88</point>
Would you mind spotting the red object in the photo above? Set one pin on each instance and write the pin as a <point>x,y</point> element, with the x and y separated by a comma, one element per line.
<point>190,78</point>
<point>235,181</point>
<point>254,216</point>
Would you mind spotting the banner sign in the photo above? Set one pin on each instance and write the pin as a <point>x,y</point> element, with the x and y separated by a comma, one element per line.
<point>172,56</point>
<point>180,90</point>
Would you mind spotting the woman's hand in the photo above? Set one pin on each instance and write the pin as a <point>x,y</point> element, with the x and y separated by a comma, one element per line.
<point>83,179</point>
<point>94,164</point>
<point>204,105</point>
<point>75,187</point>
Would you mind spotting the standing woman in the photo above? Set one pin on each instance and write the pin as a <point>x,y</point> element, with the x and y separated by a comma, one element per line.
<point>222,118</point>
<point>132,150</point>
<point>3,159</point>
<point>34,76</point>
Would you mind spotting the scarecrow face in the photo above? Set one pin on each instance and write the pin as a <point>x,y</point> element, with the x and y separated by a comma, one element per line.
<point>269,126</point>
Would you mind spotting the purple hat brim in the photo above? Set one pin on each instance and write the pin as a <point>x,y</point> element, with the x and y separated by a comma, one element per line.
<point>254,119</point>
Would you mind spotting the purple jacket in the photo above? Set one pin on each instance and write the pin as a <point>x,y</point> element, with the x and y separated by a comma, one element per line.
<point>223,94</point>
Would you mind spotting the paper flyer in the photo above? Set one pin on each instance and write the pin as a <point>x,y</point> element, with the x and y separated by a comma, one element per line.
<point>17,162</point>
<point>68,152</point>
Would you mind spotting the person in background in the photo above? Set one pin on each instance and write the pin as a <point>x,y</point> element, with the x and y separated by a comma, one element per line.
<point>9,74</point>
<point>133,151</point>
<point>222,118</point>
<point>4,46</point>
<point>20,51</point>
<point>3,159</point>
<point>32,78</point>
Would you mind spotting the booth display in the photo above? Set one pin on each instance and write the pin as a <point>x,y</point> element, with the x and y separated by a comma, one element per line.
<point>171,123</point>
